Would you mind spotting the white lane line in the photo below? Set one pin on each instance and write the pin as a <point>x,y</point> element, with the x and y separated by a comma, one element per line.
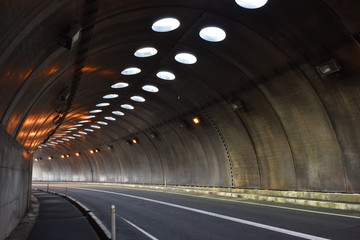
<point>233,219</point>
<point>140,229</point>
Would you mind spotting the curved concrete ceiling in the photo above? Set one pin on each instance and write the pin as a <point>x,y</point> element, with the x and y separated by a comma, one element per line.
<point>291,127</point>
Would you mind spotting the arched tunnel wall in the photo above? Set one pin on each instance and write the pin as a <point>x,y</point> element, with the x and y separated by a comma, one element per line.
<point>15,181</point>
<point>295,134</point>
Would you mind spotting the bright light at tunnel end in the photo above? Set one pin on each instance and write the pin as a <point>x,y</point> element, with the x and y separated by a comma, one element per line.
<point>251,4</point>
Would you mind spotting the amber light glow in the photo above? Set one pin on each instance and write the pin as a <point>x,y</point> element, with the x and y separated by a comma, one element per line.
<point>134,141</point>
<point>89,69</point>
<point>196,120</point>
<point>62,156</point>
<point>77,154</point>
<point>50,157</point>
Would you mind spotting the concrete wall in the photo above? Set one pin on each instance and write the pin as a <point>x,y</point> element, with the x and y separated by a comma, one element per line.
<point>15,180</point>
<point>298,133</point>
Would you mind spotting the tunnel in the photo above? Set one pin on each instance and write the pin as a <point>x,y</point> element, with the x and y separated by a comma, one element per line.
<point>210,93</point>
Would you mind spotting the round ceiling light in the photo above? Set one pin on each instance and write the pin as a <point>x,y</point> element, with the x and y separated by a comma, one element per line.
<point>89,130</point>
<point>185,58</point>
<point>96,111</point>
<point>165,25</point>
<point>74,128</point>
<point>95,126</point>
<point>71,137</point>
<point>110,118</point>
<point>90,116</point>
<point>120,85</point>
<point>251,4</point>
<point>102,123</point>
<point>102,104</point>
<point>118,113</point>
<point>131,71</point>
<point>127,106</point>
<point>109,96</point>
<point>165,75</point>
<point>137,99</point>
<point>84,121</point>
<point>81,132</point>
<point>150,88</point>
<point>212,34</point>
<point>145,52</point>
<point>77,135</point>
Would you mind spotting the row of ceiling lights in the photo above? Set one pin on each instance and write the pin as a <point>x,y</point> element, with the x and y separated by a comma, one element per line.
<point>212,34</point>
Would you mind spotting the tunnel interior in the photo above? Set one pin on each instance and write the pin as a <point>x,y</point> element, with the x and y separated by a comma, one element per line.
<point>195,93</point>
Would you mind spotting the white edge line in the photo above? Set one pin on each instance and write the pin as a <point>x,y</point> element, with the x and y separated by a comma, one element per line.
<point>238,220</point>
<point>138,228</point>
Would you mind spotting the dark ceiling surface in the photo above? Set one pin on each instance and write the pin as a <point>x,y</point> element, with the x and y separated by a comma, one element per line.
<point>295,130</point>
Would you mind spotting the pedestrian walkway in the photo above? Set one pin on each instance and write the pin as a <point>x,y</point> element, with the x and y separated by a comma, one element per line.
<point>58,220</point>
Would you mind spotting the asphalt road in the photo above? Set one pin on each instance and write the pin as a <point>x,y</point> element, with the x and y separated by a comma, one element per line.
<point>143,214</point>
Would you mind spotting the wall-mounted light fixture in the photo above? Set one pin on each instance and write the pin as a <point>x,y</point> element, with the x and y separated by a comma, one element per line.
<point>134,140</point>
<point>109,147</point>
<point>329,67</point>
<point>196,120</point>
<point>237,104</point>
<point>62,156</point>
<point>36,159</point>
<point>92,151</point>
<point>71,37</point>
<point>77,154</point>
<point>50,157</point>
<point>153,135</point>
<point>67,155</point>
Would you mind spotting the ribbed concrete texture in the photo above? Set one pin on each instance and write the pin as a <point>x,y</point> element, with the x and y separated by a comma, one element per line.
<point>15,179</point>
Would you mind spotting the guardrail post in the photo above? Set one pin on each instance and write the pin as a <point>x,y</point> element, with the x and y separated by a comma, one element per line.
<point>113,224</point>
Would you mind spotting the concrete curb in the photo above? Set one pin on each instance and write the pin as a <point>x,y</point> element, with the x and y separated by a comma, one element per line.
<point>312,199</point>
<point>99,227</point>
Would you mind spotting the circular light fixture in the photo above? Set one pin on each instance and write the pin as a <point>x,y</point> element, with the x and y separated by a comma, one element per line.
<point>89,130</point>
<point>90,116</point>
<point>127,106</point>
<point>118,113</point>
<point>73,128</point>
<point>165,25</point>
<point>109,96</point>
<point>165,75</point>
<point>137,99</point>
<point>185,58</point>
<point>60,141</point>
<point>64,132</point>
<point>81,132</point>
<point>145,52</point>
<point>131,71</point>
<point>65,139</point>
<point>251,4</point>
<point>150,88</point>
<point>95,126</point>
<point>84,121</point>
<point>78,125</point>
<point>102,104</point>
<point>110,118</point>
<point>96,111</point>
<point>71,137</point>
<point>77,135</point>
<point>212,34</point>
<point>102,123</point>
<point>120,85</point>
